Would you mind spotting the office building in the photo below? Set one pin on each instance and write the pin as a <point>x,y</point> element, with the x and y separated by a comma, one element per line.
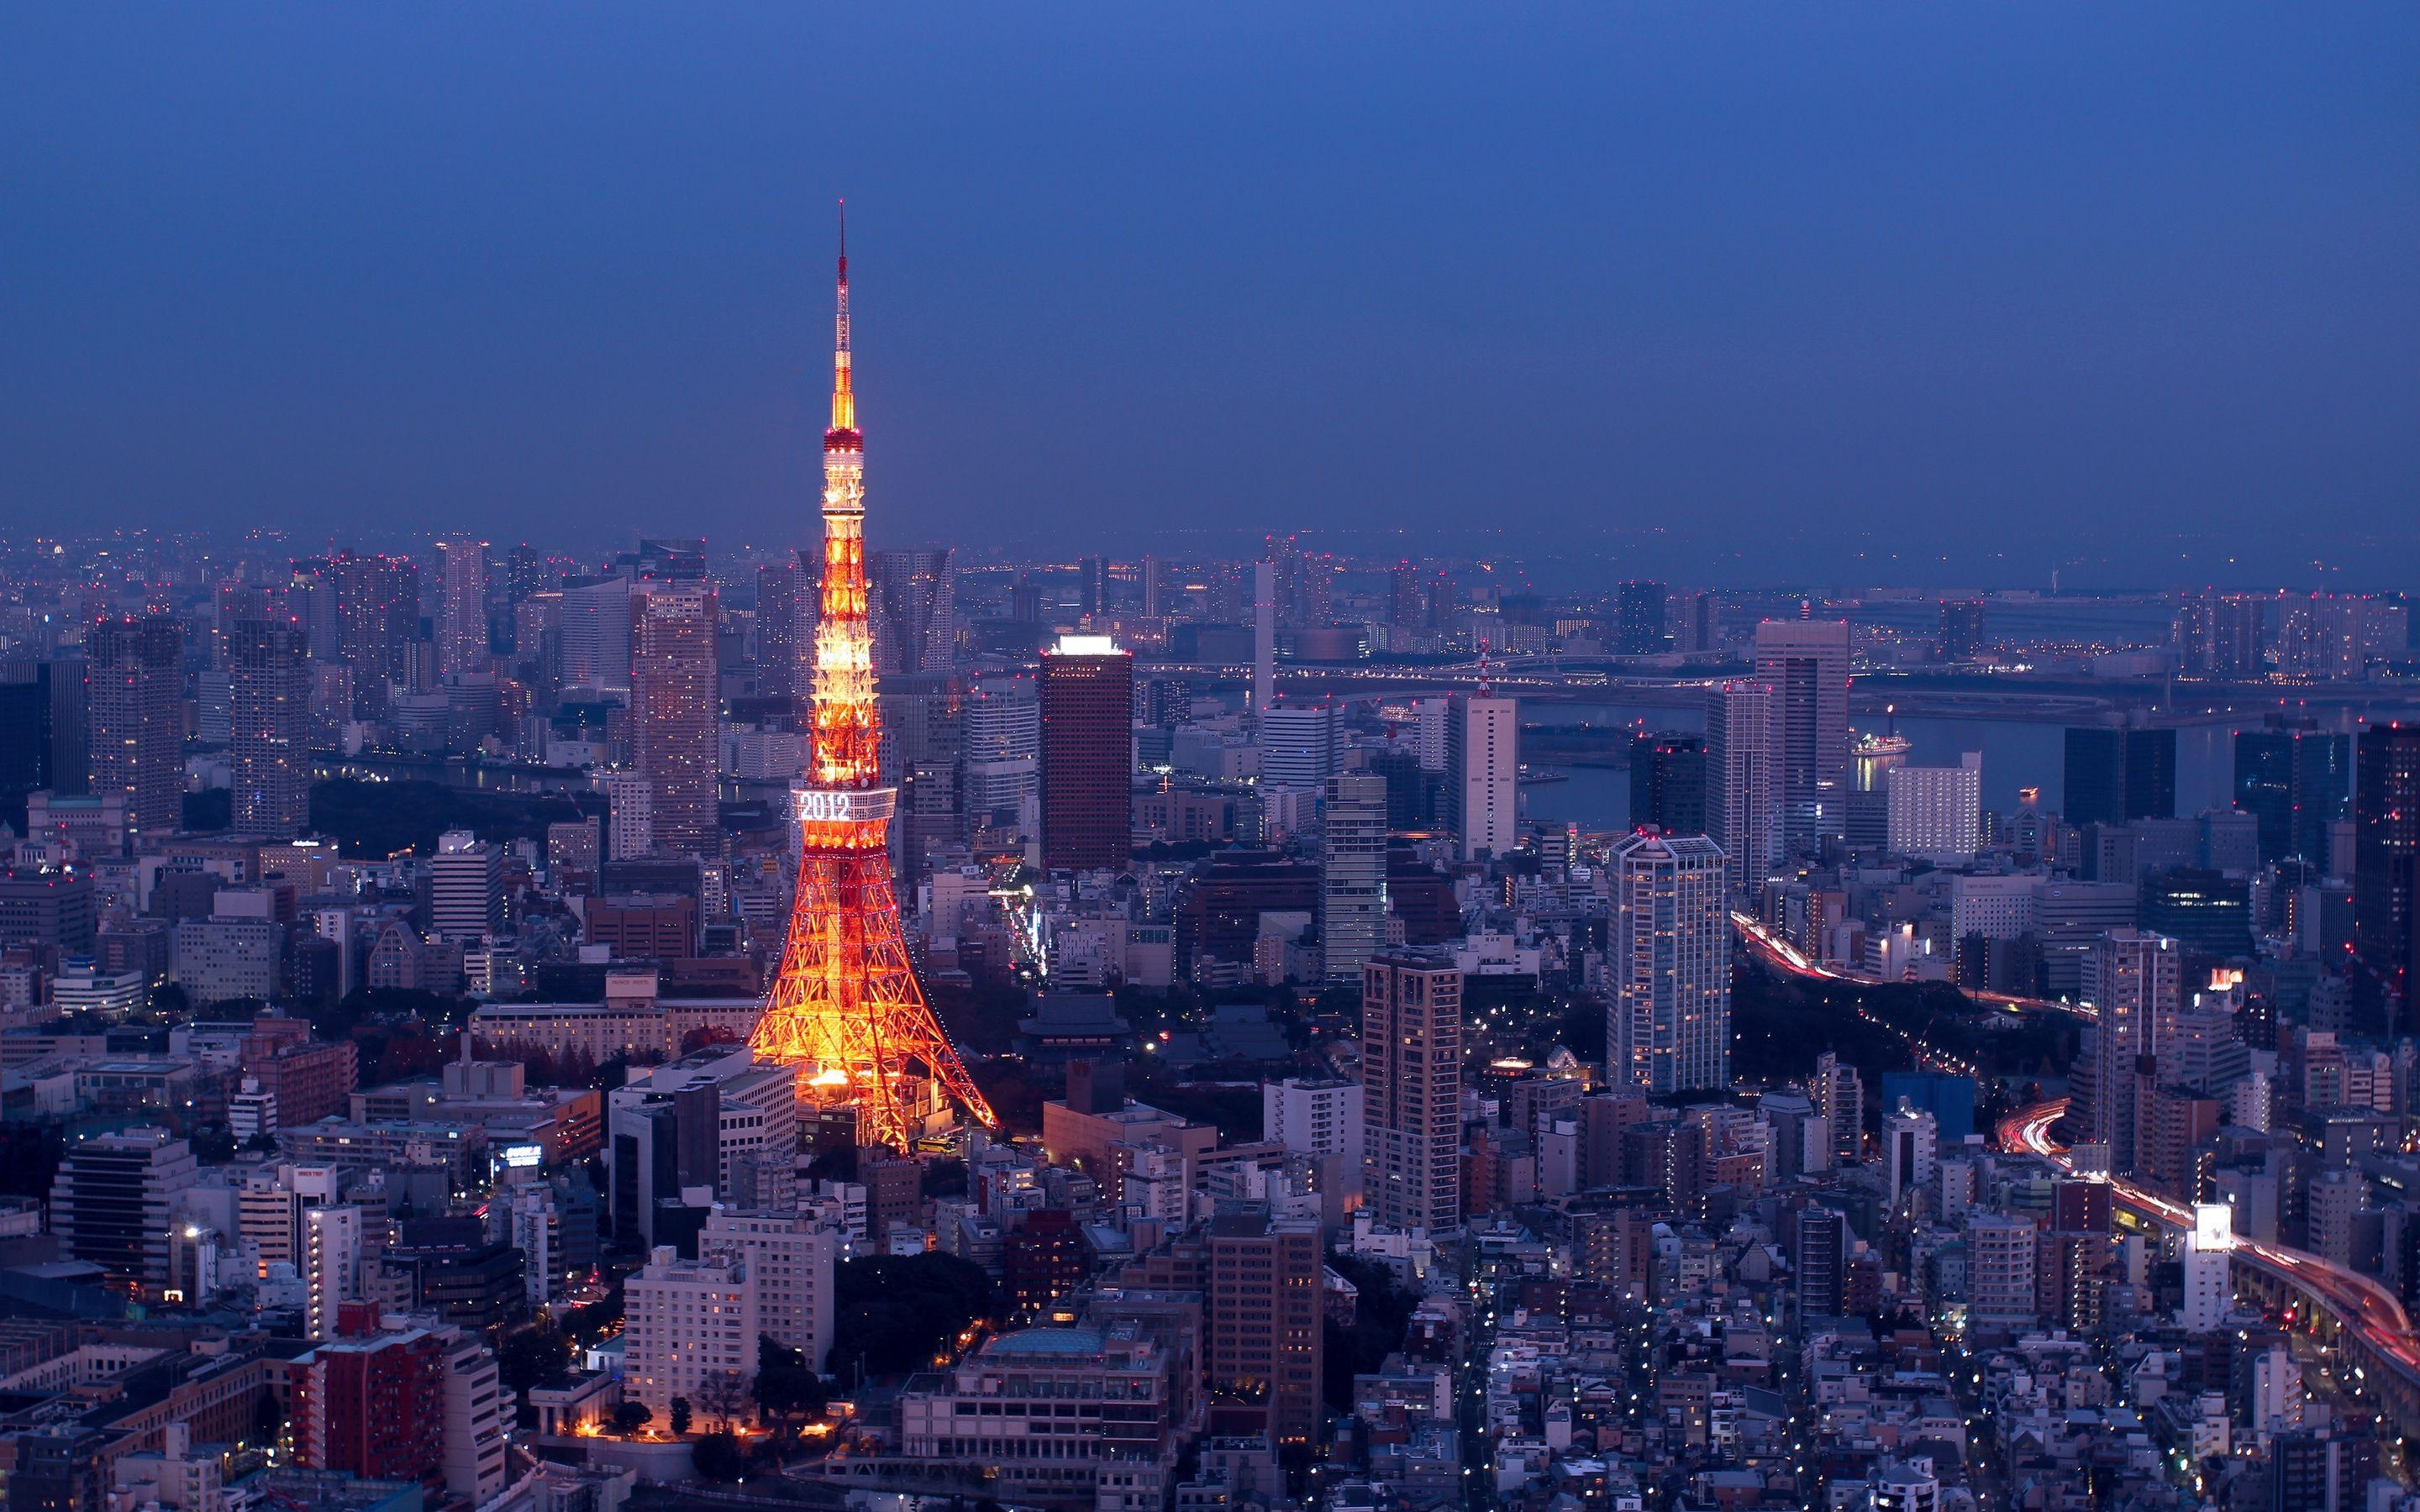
<point>2209,1290</point>
<point>1937,812</point>
<point>222,960</point>
<point>1482,767</point>
<point>1962,629</point>
<point>597,624</point>
<point>1806,664</point>
<point>1668,956</point>
<point>47,908</point>
<point>675,701</point>
<point>1743,781</point>
<point>1639,619</point>
<point>2386,861</point>
<point>1262,1302</point>
<point>1298,745</point>
<point>466,887</point>
<point>1086,699</point>
<point>136,741</point>
<point>1668,784</point>
<point>911,611</point>
<point>1003,734</point>
<point>1352,874</point>
<point>2114,776</point>
<point>269,691</point>
<point>2069,918</point>
<point>461,607</point>
<point>111,1200</point>
<point>1411,1092</point>
<point>2295,780</point>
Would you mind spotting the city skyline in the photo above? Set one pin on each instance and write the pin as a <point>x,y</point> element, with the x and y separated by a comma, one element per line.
<point>1879,297</point>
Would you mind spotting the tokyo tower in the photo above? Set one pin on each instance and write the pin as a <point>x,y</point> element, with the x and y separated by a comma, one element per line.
<point>845,1008</point>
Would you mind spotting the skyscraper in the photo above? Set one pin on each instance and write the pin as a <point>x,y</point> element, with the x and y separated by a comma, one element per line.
<point>1483,774</point>
<point>378,615</point>
<point>2115,775</point>
<point>674,704</point>
<point>2135,979</point>
<point>785,629</point>
<point>2386,859</point>
<point>1962,629</point>
<point>1411,1092</point>
<point>1743,781</point>
<point>1669,959</point>
<point>136,717</point>
<point>466,889</point>
<point>1352,874</point>
<point>1003,732</point>
<point>461,605</point>
<point>1805,663</point>
<point>1667,783</point>
<point>2295,780</point>
<point>1086,693</point>
<point>596,632</point>
<point>1639,620</point>
<point>910,606</point>
<point>1298,745</point>
<point>269,692</point>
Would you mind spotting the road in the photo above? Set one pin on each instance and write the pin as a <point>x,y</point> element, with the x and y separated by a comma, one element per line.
<point>1784,957</point>
<point>2356,1302</point>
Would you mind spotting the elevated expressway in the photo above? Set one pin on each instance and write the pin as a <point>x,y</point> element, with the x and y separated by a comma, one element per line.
<point>2351,1313</point>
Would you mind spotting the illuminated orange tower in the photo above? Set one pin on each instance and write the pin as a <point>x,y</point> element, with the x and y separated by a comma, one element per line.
<point>846,1007</point>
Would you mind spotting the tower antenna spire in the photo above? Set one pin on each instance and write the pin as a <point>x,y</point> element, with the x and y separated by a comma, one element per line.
<point>844,405</point>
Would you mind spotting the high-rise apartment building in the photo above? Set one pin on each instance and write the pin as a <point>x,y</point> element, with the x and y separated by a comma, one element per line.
<point>1352,874</point>
<point>465,892</point>
<point>1937,812</point>
<point>329,1259</point>
<point>790,1257</point>
<point>368,1403</point>
<point>1668,955</point>
<point>910,606</point>
<point>1411,1092</point>
<point>136,718</point>
<point>1805,663</point>
<point>2136,979</point>
<point>675,700</point>
<point>1086,693</point>
<point>690,1321</point>
<point>2117,776</point>
<point>1313,1117</point>
<point>1483,774</point>
<point>2386,861</point>
<point>110,1203</point>
<point>461,605</point>
<point>378,616</point>
<point>1744,781</point>
<point>269,692</point>
<point>787,612</point>
<point>1838,1095</point>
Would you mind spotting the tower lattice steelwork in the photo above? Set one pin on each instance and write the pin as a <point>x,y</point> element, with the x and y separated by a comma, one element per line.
<point>846,1007</point>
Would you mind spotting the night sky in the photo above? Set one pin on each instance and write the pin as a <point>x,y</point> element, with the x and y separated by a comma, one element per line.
<point>1934,293</point>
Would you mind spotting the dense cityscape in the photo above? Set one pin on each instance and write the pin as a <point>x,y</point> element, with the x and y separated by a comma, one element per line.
<point>1573,758</point>
<point>495,1030</point>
